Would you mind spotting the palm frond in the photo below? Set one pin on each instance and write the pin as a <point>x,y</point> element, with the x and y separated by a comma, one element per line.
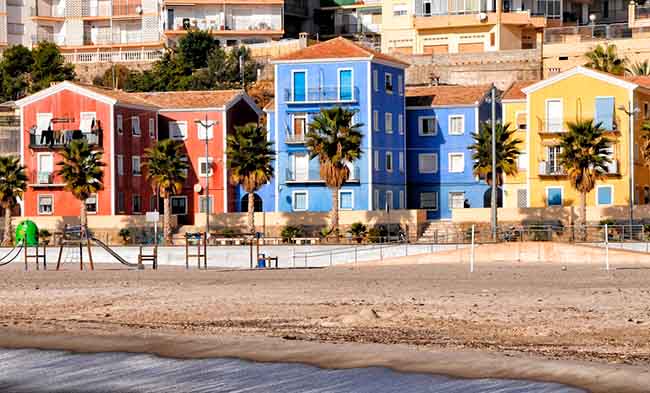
<point>166,166</point>
<point>606,59</point>
<point>13,180</point>
<point>507,152</point>
<point>81,169</point>
<point>250,157</point>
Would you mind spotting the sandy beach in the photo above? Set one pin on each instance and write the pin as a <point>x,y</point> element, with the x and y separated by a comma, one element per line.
<point>581,325</point>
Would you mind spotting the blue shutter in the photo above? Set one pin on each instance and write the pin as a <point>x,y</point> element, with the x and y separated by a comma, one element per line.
<point>346,200</point>
<point>554,196</point>
<point>345,85</point>
<point>299,82</point>
<point>605,112</point>
<point>604,196</point>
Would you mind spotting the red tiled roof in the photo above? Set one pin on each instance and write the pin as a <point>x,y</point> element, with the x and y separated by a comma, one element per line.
<point>514,91</point>
<point>120,96</point>
<point>643,81</point>
<point>338,48</point>
<point>445,95</point>
<point>189,99</point>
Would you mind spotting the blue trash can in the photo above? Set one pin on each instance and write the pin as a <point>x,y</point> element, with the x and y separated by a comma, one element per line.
<point>261,261</point>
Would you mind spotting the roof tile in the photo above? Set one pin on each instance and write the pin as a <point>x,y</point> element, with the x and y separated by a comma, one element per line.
<point>514,91</point>
<point>445,95</point>
<point>189,99</point>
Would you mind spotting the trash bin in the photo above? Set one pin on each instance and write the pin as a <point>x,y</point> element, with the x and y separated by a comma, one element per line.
<point>261,261</point>
<point>27,232</point>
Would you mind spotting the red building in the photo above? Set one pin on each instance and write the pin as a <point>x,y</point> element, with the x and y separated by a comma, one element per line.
<point>122,125</point>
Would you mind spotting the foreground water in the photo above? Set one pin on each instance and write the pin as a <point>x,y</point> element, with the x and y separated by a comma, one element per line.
<point>35,371</point>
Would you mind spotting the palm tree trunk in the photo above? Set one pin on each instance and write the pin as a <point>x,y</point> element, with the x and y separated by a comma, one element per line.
<point>251,213</point>
<point>167,226</point>
<point>7,236</point>
<point>83,217</point>
<point>334,213</point>
<point>583,214</point>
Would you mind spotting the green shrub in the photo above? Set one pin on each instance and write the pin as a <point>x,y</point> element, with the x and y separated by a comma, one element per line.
<point>358,231</point>
<point>44,236</point>
<point>291,232</point>
<point>228,233</point>
<point>607,221</point>
<point>125,234</point>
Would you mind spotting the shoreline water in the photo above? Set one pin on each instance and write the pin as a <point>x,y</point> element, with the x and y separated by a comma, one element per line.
<point>593,377</point>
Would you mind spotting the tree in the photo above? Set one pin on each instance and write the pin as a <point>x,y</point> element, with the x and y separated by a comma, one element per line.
<point>606,59</point>
<point>584,157</point>
<point>82,172</point>
<point>16,66</point>
<point>250,162</point>
<point>13,183</point>
<point>166,168</point>
<point>194,46</point>
<point>115,77</point>
<point>641,68</point>
<point>335,139</point>
<point>507,152</point>
<point>645,143</point>
<point>49,66</point>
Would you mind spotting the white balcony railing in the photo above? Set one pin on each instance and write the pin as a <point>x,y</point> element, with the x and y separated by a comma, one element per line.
<point>116,56</point>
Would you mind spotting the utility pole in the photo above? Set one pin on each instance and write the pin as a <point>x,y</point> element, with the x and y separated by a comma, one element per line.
<point>630,111</point>
<point>208,170</point>
<point>493,198</point>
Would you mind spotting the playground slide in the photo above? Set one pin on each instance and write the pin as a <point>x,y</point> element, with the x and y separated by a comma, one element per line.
<point>113,253</point>
<point>11,256</point>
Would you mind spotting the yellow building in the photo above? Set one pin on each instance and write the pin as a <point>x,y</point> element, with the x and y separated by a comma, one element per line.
<point>578,94</point>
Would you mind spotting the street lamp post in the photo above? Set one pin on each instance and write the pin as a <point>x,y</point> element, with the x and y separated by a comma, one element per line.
<point>630,111</point>
<point>208,169</point>
<point>493,191</point>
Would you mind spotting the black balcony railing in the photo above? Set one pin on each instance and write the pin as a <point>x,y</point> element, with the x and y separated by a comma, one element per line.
<point>323,94</point>
<point>58,139</point>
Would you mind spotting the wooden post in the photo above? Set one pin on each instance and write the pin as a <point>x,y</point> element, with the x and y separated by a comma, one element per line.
<point>58,261</point>
<point>187,251</point>
<point>81,256</point>
<point>205,250</point>
<point>25,253</point>
<point>37,268</point>
<point>90,254</point>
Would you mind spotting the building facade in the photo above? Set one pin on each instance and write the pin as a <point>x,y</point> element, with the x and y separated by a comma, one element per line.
<point>339,73</point>
<point>122,125</point>
<point>440,122</point>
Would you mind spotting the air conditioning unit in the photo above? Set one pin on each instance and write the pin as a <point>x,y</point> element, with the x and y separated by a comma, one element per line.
<point>482,16</point>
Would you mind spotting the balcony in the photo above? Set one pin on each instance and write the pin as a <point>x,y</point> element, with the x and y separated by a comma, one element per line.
<point>127,8</point>
<point>313,176</point>
<point>589,33</point>
<point>47,12</point>
<point>328,94</point>
<point>550,168</point>
<point>292,139</point>
<point>58,39</point>
<point>233,24</point>
<point>43,179</point>
<point>59,139</point>
<point>613,168</point>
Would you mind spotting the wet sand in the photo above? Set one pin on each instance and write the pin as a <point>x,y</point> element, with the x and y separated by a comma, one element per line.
<point>581,326</point>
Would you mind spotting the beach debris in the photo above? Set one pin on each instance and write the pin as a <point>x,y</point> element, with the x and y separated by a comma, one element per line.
<point>564,268</point>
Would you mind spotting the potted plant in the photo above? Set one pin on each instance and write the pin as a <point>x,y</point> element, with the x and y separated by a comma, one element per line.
<point>290,232</point>
<point>358,231</point>
<point>125,234</point>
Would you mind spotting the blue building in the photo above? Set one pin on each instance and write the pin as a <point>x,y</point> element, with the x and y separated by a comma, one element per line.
<point>440,121</point>
<point>338,72</point>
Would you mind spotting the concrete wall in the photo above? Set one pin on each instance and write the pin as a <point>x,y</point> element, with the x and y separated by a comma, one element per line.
<point>501,68</point>
<point>87,72</point>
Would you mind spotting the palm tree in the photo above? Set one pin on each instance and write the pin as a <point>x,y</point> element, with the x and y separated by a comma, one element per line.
<point>641,68</point>
<point>507,152</point>
<point>606,59</point>
<point>166,168</point>
<point>13,183</point>
<point>584,157</point>
<point>335,139</point>
<point>645,143</point>
<point>81,170</point>
<point>250,158</point>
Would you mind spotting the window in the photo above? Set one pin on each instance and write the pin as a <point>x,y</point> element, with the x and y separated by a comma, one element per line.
<point>43,122</point>
<point>120,165</point>
<point>91,204</point>
<point>205,166</point>
<point>388,83</point>
<point>376,160</point>
<point>604,112</point>
<point>400,84</point>
<point>299,167</point>
<point>457,200</point>
<point>427,126</point>
<point>120,124</point>
<point>135,126</point>
<point>204,132</point>
<point>400,161</point>
<point>389,200</point>
<point>553,160</point>
<point>429,200</point>
<point>554,116</point>
<point>493,40</point>
<point>400,124</point>
<point>86,122</point>
<point>646,195</point>
<point>135,166</point>
<point>604,195</point>
<point>45,204</point>
<point>375,199</point>
<point>400,10</point>
<point>389,161</point>
<point>646,111</point>
<point>346,199</point>
<point>300,201</point>
<point>152,128</point>
<point>612,166</point>
<point>456,162</point>
<point>456,125</point>
<point>202,204</point>
<point>152,203</point>
<point>401,199</point>
<point>375,120</point>
<point>554,196</point>
<point>520,119</point>
<point>179,205</point>
<point>427,163</point>
<point>522,161</point>
<point>299,86</point>
<point>522,198</point>
<point>345,85</point>
<point>178,130</point>
<point>388,119</point>
<point>375,80</point>
<point>137,203</point>
<point>299,126</point>
<point>45,168</point>
<point>120,202</point>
